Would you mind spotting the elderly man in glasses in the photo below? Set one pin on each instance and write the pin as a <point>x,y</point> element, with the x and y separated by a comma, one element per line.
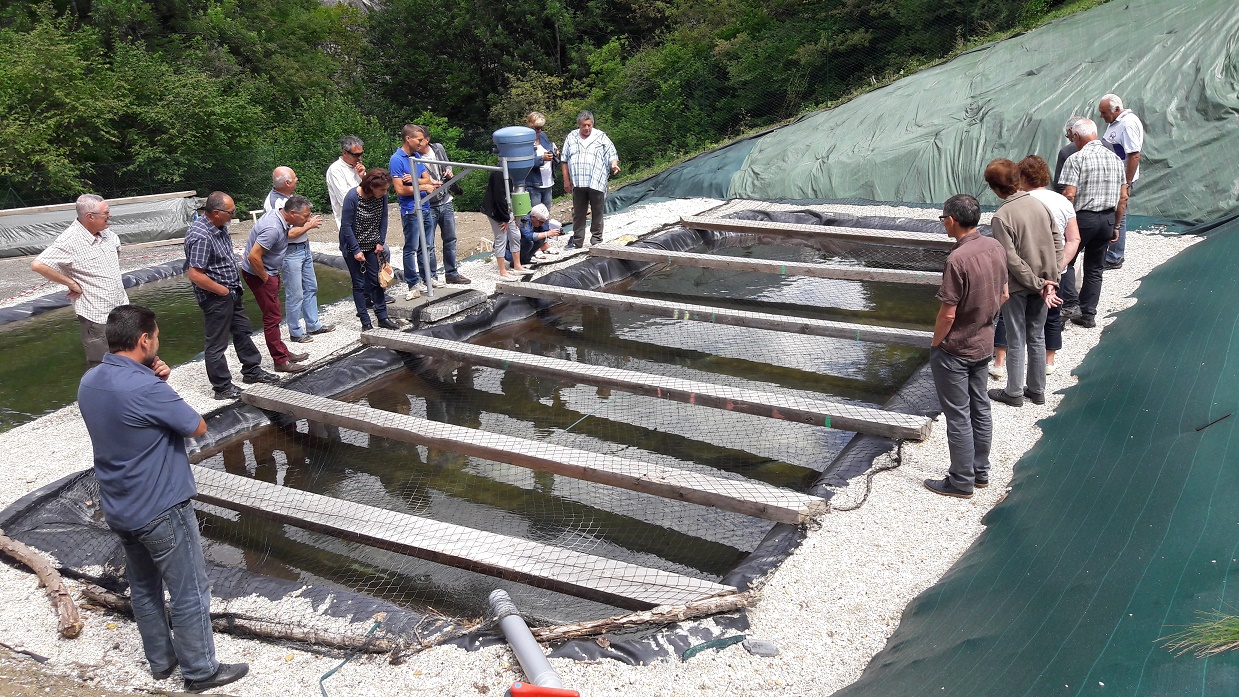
<point>212,268</point>
<point>85,258</point>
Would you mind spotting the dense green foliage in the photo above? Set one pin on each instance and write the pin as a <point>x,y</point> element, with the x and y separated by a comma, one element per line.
<point>133,96</point>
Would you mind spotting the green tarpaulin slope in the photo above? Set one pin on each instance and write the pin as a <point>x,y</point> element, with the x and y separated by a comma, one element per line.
<point>930,135</point>
<point>1122,523</point>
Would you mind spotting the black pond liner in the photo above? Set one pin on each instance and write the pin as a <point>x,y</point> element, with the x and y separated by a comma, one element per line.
<point>41,519</point>
<point>55,301</point>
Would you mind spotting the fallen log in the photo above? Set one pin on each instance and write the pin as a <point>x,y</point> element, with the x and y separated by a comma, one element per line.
<point>255,627</point>
<point>70,624</point>
<point>663,614</point>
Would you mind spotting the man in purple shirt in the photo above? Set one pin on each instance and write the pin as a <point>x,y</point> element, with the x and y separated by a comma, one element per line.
<point>974,287</point>
<point>138,426</point>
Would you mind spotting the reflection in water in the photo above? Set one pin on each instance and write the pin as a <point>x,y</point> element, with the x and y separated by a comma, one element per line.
<point>563,512</point>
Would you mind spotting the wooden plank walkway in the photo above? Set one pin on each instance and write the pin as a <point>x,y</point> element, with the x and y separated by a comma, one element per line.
<point>745,496</point>
<point>585,575</point>
<point>782,268</point>
<point>791,408</point>
<point>720,315</point>
<point>901,238</point>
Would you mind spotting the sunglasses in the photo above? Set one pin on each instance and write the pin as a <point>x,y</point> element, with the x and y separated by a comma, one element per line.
<point>356,154</point>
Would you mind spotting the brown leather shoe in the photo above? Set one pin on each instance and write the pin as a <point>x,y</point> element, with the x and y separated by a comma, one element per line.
<point>297,357</point>
<point>290,367</point>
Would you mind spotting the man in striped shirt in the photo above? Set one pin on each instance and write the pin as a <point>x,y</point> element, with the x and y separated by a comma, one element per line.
<point>85,258</point>
<point>589,158</point>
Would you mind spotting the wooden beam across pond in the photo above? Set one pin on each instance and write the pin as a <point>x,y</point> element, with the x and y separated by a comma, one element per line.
<point>720,315</point>
<point>898,238</point>
<point>745,496</point>
<point>585,575</point>
<point>772,266</point>
<point>817,412</point>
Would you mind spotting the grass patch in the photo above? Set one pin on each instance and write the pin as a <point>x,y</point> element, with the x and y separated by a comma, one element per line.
<point>1215,633</point>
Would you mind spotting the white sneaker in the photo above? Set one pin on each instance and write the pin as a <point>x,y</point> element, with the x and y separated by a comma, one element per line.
<point>421,287</point>
<point>437,283</point>
<point>413,294</point>
<point>1049,368</point>
<point>997,372</point>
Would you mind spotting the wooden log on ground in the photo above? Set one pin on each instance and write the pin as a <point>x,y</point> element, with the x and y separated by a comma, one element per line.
<point>898,238</point>
<point>720,315</point>
<point>792,408</point>
<point>657,616</point>
<point>738,495</point>
<point>253,626</point>
<point>782,268</point>
<point>69,622</point>
<point>596,578</point>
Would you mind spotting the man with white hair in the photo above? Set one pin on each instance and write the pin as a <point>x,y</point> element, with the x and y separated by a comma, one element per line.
<point>297,271</point>
<point>542,228</point>
<point>85,258</point>
<point>1125,134</point>
<point>1094,181</point>
<point>589,160</point>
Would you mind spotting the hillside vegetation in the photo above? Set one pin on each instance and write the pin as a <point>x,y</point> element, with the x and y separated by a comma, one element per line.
<point>128,97</point>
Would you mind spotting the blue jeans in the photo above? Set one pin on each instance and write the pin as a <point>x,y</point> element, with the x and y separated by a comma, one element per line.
<point>960,385</point>
<point>300,289</point>
<point>540,194</point>
<point>167,550</point>
<point>365,277</point>
<point>413,271</point>
<point>445,217</point>
<point>1116,249</point>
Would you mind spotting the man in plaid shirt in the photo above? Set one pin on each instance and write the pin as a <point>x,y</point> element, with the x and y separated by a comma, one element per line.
<point>589,158</point>
<point>1095,181</point>
<point>217,286</point>
<point>85,258</point>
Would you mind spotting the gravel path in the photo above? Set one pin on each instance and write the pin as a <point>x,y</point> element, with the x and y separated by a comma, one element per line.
<point>829,607</point>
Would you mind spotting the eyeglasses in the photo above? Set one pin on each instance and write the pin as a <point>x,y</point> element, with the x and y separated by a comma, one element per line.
<point>229,211</point>
<point>943,217</point>
<point>107,214</point>
<point>356,154</point>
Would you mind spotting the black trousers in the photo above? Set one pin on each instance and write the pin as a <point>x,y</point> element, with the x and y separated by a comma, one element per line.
<point>1096,228</point>
<point>225,315</point>
<point>596,200</point>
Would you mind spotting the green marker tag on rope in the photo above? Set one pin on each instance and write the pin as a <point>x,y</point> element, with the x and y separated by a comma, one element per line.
<point>827,422</point>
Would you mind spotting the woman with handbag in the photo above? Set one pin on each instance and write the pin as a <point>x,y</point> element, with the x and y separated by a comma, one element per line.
<point>363,234</point>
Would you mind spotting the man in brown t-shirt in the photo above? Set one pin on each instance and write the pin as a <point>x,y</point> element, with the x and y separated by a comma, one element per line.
<point>974,287</point>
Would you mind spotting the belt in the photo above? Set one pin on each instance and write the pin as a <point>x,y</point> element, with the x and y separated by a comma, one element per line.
<point>297,244</point>
<point>1100,212</point>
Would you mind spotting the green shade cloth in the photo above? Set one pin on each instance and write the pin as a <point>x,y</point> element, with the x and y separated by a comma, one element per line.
<point>1122,524</point>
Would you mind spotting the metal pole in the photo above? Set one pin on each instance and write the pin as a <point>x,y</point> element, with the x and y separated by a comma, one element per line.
<point>421,230</point>
<point>507,192</point>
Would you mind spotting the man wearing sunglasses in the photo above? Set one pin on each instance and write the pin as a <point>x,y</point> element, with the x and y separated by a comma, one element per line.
<point>85,258</point>
<point>345,174</point>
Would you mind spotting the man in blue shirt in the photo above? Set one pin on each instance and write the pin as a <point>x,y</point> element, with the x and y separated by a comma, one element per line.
<point>402,178</point>
<point>138,426</point>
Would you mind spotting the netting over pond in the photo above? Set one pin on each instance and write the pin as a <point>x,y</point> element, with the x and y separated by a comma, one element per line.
<point>585,458</point>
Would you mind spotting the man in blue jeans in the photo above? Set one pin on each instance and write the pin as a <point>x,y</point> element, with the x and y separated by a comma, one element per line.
<point>974,287</point>
<point>404,179</point>
<point>297,272</point>
<point>138,426</point>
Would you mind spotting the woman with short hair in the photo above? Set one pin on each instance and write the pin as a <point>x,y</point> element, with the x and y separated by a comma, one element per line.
<point>541,179</point>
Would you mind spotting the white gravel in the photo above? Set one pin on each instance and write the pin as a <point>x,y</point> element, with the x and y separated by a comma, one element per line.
<point>829,608</point>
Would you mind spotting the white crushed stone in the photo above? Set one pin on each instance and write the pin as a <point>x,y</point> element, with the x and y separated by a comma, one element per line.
<point>829,608</point>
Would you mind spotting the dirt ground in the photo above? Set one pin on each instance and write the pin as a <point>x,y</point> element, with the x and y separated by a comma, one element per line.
<point>23,676</point>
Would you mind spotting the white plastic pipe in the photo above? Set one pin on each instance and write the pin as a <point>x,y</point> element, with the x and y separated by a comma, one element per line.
<point>528,652</point>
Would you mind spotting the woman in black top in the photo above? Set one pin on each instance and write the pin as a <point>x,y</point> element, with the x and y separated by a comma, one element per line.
<point>363,232</point>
